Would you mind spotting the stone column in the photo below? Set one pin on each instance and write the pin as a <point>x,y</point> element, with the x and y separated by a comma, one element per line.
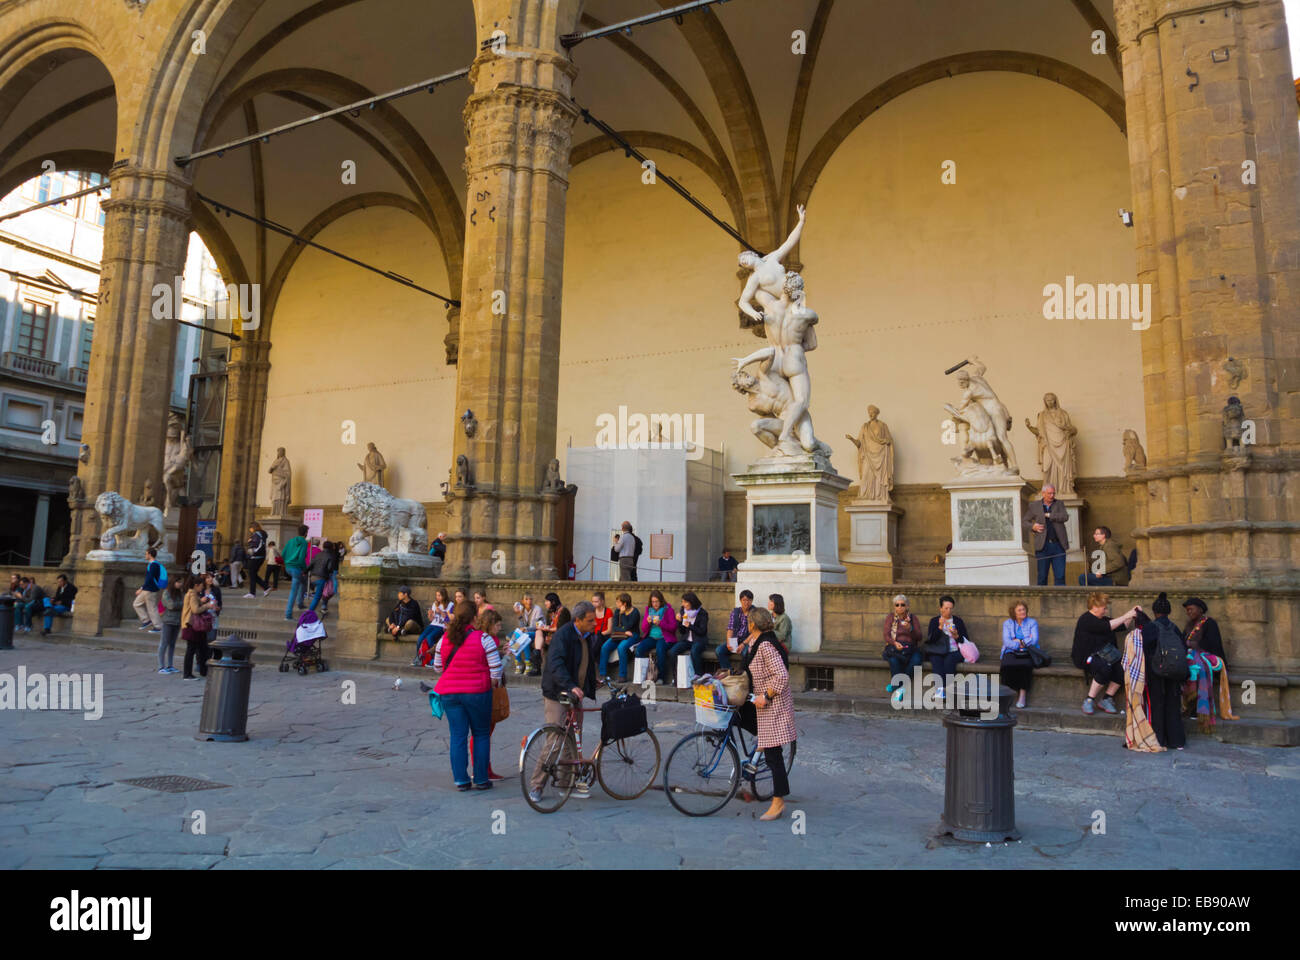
<point>247,370</point>
<point>519,124</point>
<point>128,388</point>
<point>40,530</point>
<point>1215,167</point>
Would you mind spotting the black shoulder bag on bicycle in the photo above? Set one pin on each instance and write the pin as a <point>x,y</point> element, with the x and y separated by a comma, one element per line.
<point>621,718</point>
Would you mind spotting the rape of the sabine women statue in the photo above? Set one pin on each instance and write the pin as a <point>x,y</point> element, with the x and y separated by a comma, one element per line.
<point>783,364</point>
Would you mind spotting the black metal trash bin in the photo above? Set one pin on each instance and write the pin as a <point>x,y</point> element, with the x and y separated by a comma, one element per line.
<point>7,623</point>
<point>225,697</point>
<point>979,796</point>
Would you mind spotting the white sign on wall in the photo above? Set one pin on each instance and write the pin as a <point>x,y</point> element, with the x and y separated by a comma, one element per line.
<point>315,520</point>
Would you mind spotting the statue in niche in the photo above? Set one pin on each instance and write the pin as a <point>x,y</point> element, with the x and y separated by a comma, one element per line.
<point>76,491</point>
<point>176,460</point>
<point>553,483</point>
<point>146,498</point>
<point>875,458</point>
<point>281,472</point>
<point>462,472</point>
<point>1058,449</point>
<point>1135,458</point>
<point>373,466</point>
<point>1232,417</point>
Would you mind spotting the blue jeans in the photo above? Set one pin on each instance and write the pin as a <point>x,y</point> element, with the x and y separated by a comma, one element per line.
<point>1054,554</point>
<point>319,591</point>
<point>903,663</point>
<point>52,611</point>
<point>23,611</point>
<point>945,664</point>
<point>295,591</point>
<point>469,713</point>
<point>624,647</point>
<point>660,652</point>
<point>696,648</point>
<point>1090,579</point>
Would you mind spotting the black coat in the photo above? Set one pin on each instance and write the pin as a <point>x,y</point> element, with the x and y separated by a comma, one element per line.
<point>699,630</point>
<point>1209,639</point>
<point>564,663</point>
<point>936,641</point>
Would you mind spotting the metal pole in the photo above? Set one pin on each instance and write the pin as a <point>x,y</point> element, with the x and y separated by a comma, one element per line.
<point>625,26</point>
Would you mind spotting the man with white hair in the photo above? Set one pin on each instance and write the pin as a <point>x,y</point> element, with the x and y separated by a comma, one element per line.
<point>1046,519</point>
<point>438,548</point>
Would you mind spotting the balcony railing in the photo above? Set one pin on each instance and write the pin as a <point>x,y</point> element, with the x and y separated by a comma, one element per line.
<point>31,366</point>
<point>52,370</point>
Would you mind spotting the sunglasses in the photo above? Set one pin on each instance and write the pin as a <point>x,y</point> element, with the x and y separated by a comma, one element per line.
<point>900,604</point>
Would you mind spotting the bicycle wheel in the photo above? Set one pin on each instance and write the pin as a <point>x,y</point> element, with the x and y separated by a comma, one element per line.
<point>547,768</point>
<point>626,768</point>
<point>702,773</point>
<point>763,779</point>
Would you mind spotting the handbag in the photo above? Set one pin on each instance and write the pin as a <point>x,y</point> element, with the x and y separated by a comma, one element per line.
<point>1039,658</point>
<point>969,652</point>
<point>201,622</point>
<point>736,685</point>
<point>435,700</point>
<point>329,589</point>
<point>500,704</point>
<point>1108,652</point>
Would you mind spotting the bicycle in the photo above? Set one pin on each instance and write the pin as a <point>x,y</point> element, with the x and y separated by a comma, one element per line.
<point>703,771</point>
<point>552,757</point>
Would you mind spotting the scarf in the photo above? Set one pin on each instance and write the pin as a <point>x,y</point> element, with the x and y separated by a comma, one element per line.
<point>1195,628</point>
<point>893,630</point>
<point>949,626</point>
<point>1138,732</point>
<point>1202,688</point>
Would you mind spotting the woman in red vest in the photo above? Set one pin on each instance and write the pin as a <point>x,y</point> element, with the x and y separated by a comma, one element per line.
<point>470,668</point>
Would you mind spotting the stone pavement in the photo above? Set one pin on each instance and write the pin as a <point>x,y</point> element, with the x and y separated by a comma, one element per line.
<point>323,784</point>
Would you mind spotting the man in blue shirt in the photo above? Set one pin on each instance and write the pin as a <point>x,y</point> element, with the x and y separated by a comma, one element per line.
<point>146,598</point>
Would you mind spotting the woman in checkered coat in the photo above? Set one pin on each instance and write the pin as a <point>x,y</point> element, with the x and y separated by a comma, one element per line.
<point>766,662</point>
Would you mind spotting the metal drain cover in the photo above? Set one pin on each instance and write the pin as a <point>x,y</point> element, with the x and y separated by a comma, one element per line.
<point>375,754</point>
<point>172,783</point>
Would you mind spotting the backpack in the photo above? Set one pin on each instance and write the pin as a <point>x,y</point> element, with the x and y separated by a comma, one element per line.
<point>162,575</point>
<point>622,718</point>
<point>1168,655</point>
<point>636,554</point>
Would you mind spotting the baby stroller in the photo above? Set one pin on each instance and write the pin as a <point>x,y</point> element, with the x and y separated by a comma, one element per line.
<point>307,647</point>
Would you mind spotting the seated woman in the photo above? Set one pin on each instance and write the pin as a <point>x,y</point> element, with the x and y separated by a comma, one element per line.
<point>555,616</point>
<point>624,634</point>
<point>692,634</point>
<point>1206,658</point>
<point>781,625</point>
<point>1019,634</point>
<point>1100,663</point>
<point>658,630</point>
<point>946,631</point>
<point>439,614</point>
<point>902,643</point>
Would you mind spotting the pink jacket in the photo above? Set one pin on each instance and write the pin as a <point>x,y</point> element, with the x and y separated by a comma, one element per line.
<point>471,668</point>
<point>668,624</point>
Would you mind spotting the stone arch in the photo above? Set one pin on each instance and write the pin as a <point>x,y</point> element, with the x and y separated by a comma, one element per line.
<point>89,161</point>
<point>419,166</point>
<point>1031,64</point>
<point>319,223</point>
<point>668,144</point>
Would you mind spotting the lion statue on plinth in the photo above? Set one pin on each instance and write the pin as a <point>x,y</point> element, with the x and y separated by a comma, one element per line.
<point>122,516</point>
<point>376,512</point>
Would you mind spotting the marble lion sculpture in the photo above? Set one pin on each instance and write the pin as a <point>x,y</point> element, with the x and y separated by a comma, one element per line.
<point>122,516</point>
<point>376,512</point>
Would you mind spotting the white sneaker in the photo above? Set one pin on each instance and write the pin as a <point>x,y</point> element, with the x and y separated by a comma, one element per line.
<point>581,791</point>
<point>251,596</point>
<point>162,669</point>
<point>535,796</point>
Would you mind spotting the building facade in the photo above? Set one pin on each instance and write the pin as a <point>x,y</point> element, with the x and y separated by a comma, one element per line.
<point>957,162</point>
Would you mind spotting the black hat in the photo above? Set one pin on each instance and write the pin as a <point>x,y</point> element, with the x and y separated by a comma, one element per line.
<point>404,589</point>
<point>1197,601</point>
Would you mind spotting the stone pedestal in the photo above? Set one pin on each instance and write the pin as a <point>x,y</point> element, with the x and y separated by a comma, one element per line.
<point>171,532</point>
<point>792,538</point>
<point>280,529</point>
<point>988,546</point>
<point>1077,552</point>
<point>419,565</point>
<point>873,538</point>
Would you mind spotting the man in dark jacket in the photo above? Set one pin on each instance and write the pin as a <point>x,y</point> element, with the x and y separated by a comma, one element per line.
<point>570,670</point>
<point>406,616</point>
<point>1046,519</point>
<point>61,605</point>
<point>321,570</point>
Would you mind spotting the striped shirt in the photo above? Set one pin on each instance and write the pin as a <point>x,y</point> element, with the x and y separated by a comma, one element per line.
<point>495,667</point>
